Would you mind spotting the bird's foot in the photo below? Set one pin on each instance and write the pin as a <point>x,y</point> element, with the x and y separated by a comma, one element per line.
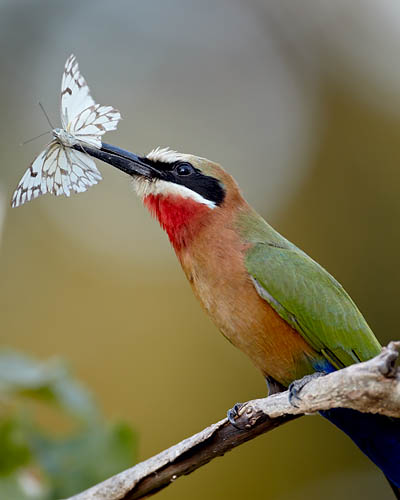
<point>387,359</point>
<point>244,416</point>
<point>296,387</point>
<point>233,414</point>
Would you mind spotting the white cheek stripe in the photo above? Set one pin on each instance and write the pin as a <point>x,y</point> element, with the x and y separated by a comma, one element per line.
<point>159,187</point>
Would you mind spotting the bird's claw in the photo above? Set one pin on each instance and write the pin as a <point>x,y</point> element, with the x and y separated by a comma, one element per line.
<point>232,414</point>
<point>296,387</point>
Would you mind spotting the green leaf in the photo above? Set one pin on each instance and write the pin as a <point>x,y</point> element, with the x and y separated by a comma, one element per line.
<point>14,450</point>
<point>48,381</point>
<point>78,462</point>
<point>32,459</point>
<point>17,487</point>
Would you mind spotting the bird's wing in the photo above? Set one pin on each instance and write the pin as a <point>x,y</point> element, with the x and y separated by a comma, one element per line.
<point>305,295</point>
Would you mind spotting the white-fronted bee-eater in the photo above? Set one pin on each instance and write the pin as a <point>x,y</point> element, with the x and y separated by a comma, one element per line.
<point>269,298</point>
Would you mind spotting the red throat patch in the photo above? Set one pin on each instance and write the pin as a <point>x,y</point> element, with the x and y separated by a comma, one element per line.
<point>181,218</point>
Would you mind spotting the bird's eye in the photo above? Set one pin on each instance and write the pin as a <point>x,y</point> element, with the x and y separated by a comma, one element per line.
<point>184,169</point>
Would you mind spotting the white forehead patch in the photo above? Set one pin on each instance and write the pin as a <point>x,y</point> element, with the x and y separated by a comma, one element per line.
<point>166,155</point>
<point>156,187</point>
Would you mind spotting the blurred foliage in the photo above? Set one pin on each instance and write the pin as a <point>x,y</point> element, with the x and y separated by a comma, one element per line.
<point>35,463</point>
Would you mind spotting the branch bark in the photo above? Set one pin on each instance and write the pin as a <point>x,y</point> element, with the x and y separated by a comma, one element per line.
<point>370,387</point>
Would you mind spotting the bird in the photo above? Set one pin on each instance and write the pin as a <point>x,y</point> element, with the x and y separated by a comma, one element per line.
<point>266,296</point>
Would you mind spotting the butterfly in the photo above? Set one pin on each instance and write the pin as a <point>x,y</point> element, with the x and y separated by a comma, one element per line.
<point>59,169</point>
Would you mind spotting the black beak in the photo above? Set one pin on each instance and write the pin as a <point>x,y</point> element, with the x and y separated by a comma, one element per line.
<point>124,160</point>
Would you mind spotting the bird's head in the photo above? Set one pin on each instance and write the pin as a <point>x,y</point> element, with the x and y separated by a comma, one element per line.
<point>184,192</point>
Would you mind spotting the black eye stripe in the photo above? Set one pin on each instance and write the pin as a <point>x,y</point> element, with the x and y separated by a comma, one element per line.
<point>206,186</point>
<point>209,188</point>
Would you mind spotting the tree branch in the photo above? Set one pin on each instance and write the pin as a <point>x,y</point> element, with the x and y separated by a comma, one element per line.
<point>371,387</point>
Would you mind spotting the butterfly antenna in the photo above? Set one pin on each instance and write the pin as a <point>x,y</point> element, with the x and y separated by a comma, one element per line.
<point>34,138</point>
<point>46,115</point>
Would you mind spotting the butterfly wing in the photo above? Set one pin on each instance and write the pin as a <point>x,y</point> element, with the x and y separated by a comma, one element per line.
<point>80,115</point>
<point>82,170</point>
<point>68,170</point>
<point>75,93</point>
<point>57,170</point>
<point>91,123</point>
<point>30,186</point>
<point>60,169</point>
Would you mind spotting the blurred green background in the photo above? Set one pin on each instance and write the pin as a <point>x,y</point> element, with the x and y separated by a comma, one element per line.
<point>300,101</point>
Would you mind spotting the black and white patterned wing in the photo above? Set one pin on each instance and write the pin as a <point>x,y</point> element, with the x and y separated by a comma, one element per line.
<point>93,122</point>
<point>68,170</point>
<point>30,186</point>
<point>80,115</point>
<point>57,170</point>
<point>75,93</point>
<point>83,172</point>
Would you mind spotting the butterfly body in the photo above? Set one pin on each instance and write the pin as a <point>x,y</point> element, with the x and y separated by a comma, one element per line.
<point>58,169</point>
<point>65,138</point>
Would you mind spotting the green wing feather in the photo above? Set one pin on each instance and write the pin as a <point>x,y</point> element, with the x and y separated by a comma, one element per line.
<point>311,301</point>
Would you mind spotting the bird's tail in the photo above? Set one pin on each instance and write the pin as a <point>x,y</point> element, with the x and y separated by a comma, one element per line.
<point>377,436</point>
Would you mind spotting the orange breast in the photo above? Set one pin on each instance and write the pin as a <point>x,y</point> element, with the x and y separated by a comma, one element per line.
<point>212,256</point>
<point>214,265</point>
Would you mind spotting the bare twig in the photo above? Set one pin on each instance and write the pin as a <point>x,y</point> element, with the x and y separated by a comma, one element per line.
<point>372,387</point>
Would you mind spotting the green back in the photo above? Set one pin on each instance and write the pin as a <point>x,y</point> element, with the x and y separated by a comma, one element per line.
<point>306,295</point>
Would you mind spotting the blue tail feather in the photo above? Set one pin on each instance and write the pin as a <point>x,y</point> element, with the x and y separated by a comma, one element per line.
<point>377,436</point>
